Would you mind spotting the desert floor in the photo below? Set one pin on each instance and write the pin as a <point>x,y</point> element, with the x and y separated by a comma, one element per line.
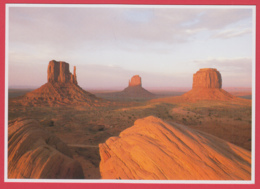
<point>83,128</point>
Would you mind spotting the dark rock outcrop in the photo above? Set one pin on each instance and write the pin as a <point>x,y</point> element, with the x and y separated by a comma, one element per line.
<point>155,149</point>
<point>35,153</point>
<point>59,72</point>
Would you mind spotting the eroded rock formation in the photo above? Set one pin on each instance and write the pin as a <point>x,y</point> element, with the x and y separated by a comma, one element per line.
<point>36,153</point>
<point>135,89</point>
<point>61,89</point>
<point>207,78</point>
<point>59,72</point>
<point>207,85</point>
<point>135,81</point>
<point>155,149</point>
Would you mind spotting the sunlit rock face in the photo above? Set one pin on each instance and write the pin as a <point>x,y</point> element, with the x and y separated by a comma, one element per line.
<point>135,81</point>
<point>35,153</point>
<point>155,149</point>
<point>207,85</point>
<point>207,78</point>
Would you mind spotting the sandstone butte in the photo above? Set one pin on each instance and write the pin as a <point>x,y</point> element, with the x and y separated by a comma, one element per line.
<point>155,149</point>
<point>207,85</point>
<point>36,153</point>
<point>61,89</point>
<point>135,81</point>
<point>135,89</point>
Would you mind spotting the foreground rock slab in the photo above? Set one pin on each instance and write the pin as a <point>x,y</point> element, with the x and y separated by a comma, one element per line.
<point>155,149</point>
<point>36,153</point>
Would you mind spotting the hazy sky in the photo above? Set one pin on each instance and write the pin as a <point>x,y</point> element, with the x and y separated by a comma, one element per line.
<point>165,45</point>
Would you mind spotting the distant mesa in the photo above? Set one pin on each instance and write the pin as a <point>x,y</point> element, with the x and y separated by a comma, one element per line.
<point>61,89</point>
<point>135,81</point>
<point>155,149</point>
<point>36,153</point>
<point>207,85</point>
<point>207,78</point>
<point>134,91</point>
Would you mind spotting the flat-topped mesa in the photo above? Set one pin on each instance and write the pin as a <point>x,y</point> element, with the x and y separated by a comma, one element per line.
<point>59,72</point>
<point>135,81</point>
<point>207,78</point>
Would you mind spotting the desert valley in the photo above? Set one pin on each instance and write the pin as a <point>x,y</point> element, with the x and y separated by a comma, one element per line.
<point>61,131</point>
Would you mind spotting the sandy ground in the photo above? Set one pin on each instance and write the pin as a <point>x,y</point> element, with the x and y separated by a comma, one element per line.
<point>83,128</point>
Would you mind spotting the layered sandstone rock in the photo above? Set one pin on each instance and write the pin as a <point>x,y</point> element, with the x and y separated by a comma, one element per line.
<point>36,153</point>
<point>135,81</point>
<point>155,149</point>
<point>61,89</point>
<point>207,78</point>
<point>207,85</point>
<point>59,72</point>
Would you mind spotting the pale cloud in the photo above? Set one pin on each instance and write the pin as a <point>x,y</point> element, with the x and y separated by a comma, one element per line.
<point>74,27</point>
<point>103,40</point>
<point>229,33</point>
<point>243,64</point>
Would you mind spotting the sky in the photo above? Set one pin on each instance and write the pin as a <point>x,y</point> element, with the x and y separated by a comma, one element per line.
<point>165,45</point>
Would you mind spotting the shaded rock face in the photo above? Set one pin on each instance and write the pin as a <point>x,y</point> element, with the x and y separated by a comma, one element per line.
<point>207,78</point>
<point>155,149</point>
<point>59,72</point>
<point>135,81</point>
<point>36,153</point>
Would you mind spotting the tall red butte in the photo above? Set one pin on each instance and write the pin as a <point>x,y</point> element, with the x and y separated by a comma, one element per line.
<point>207,85</point>
<point>61,89</point>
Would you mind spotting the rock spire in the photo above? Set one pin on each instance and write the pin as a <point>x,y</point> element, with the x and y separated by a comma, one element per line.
<point>58,72</point>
